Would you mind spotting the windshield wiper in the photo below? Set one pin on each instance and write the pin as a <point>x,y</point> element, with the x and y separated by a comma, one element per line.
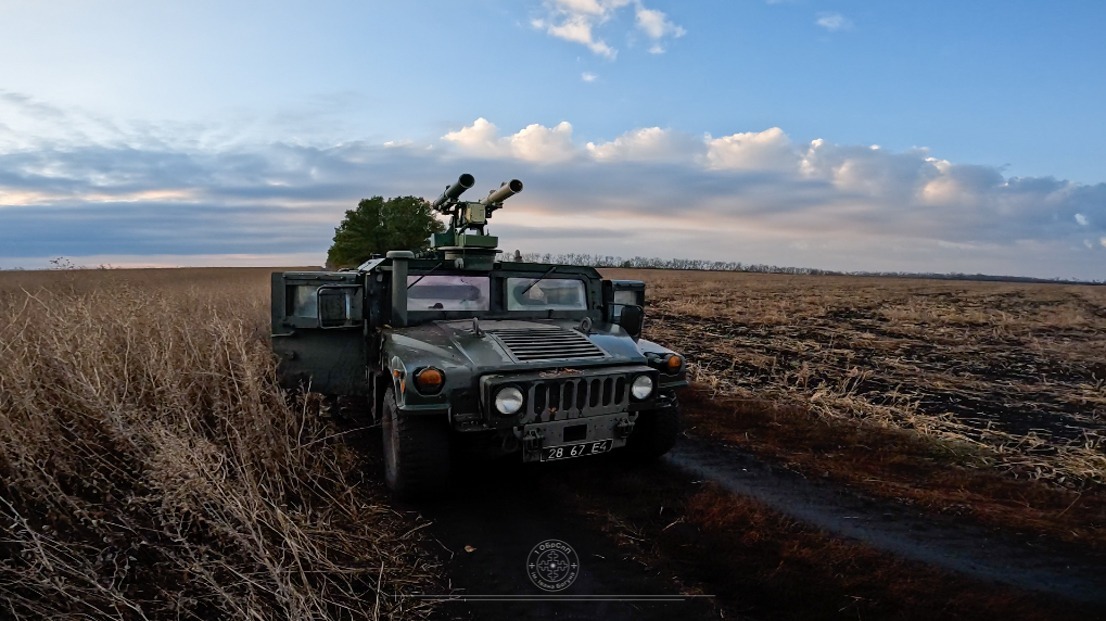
<point>425,275</point>
<point>542,277</point>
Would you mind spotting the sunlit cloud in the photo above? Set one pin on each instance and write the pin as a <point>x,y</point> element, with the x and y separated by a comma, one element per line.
<point>770,149</point>
<point>588,76</point>
<point>657,27</point>
<point>647,144</point>
<point>533,143</point>
<point>753,195</point>
<point>578,21</point>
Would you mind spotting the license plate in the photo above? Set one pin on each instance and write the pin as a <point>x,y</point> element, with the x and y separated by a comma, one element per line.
<point>568,451</point>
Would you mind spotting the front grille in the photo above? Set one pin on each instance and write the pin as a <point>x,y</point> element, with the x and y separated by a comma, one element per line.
<point>578,395</point>
<point>547,344</point>
<point>556,395</point>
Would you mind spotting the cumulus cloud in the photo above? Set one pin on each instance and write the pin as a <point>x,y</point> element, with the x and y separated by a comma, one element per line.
<point>646,144</point>
<point>588,76</point>
<point>577,21</point>
<point>533,143</point>
<point>770,149</point>
<point>753,196</point>
<point>834,22</point>
<point>481,138</point>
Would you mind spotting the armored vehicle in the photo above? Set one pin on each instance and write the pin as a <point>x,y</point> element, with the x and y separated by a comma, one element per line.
<point>455,351</point>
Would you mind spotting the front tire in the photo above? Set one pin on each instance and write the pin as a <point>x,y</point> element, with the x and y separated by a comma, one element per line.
<point>416,451</point>
<point>654,434</point>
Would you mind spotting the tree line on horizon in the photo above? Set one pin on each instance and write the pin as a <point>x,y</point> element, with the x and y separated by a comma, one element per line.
<point>378,225</point>
<point>705,265</point>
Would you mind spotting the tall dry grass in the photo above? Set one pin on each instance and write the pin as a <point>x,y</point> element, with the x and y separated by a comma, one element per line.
<point>151,468</point>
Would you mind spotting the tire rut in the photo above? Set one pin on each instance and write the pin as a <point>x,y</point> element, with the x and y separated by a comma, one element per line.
<point>936,540</point>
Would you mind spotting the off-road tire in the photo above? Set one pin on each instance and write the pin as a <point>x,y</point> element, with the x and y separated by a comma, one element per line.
<point>654,434</point>
<point>416,451</point>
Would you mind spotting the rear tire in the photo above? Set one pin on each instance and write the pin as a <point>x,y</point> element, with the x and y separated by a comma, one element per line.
<point>654,434</point>
<point>416,451</point>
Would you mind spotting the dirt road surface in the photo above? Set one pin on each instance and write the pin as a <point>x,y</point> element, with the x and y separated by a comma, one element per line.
<point>497,513</point>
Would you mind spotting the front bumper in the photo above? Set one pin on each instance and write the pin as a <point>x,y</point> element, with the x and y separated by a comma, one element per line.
<point>537,437</point>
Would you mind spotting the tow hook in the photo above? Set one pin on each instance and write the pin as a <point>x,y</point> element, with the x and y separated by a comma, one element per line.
<point>623,428</point>
<point>533,440</point>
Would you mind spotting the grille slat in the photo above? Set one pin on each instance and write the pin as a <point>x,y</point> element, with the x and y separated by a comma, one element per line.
<point>577,395</point>
<point>547,344</point>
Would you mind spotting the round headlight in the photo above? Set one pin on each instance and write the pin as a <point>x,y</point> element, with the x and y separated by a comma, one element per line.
<point>508,400</point>
<point>642,387</point>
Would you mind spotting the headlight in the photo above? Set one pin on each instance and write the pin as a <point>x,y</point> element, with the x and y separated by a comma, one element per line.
<point>508,400</point>
<point>642,387</point>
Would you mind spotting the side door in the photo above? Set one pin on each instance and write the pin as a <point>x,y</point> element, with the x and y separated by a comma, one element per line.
<point>318,331</point>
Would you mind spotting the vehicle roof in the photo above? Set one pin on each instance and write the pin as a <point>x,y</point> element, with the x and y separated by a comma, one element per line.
<point>498,267</point>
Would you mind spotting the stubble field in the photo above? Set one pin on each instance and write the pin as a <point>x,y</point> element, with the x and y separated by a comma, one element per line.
<point>977,398</point>
<point>150,468</point>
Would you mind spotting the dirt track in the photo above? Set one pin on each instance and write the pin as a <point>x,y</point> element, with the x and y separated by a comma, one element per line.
<point>940,541</point>
<point>489,524</point>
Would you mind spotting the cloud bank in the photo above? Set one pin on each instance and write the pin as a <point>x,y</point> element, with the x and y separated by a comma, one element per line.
<point>755,196</point>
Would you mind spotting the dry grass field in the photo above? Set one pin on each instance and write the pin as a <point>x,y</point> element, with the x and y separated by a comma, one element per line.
<point>918,375</point>
<point>150,467</point>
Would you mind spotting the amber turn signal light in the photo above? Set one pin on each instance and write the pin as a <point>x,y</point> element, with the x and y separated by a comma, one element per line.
<point>429,380</point>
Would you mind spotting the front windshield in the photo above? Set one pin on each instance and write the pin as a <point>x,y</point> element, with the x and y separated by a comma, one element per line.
<point>451,293</point>
<point>548,294</point>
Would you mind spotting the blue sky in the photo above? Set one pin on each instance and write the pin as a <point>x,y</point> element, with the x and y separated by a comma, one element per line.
<point>923,136</point>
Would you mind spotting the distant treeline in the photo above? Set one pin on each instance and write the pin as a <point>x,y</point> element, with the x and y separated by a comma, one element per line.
<point>600,261</point>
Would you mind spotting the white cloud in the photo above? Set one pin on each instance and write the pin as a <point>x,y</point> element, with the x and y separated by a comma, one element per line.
<point>656,25</point>
<point>834,22</point>
<point>578,29</point>
<point>481,138</point>
<point>821,205</point>
<point>588,76</point>
<point>770,149</point>
<point>534,143</point>
<point>647,144</point>
<point>577,21</point>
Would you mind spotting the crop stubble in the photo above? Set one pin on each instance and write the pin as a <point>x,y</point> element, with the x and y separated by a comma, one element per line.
<point>1012,373</point>
<point>149,466</point>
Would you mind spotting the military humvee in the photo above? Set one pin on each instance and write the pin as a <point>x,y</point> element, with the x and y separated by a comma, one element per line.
<point>456,351</point>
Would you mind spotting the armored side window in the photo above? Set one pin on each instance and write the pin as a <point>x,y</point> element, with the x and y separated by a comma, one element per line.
<point>305,301</point>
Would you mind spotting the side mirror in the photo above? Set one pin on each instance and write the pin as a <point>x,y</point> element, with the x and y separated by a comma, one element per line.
<point>631,319</point>
<point>340,307</point>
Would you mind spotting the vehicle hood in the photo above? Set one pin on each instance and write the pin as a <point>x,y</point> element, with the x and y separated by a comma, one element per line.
<point>491,345</point>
